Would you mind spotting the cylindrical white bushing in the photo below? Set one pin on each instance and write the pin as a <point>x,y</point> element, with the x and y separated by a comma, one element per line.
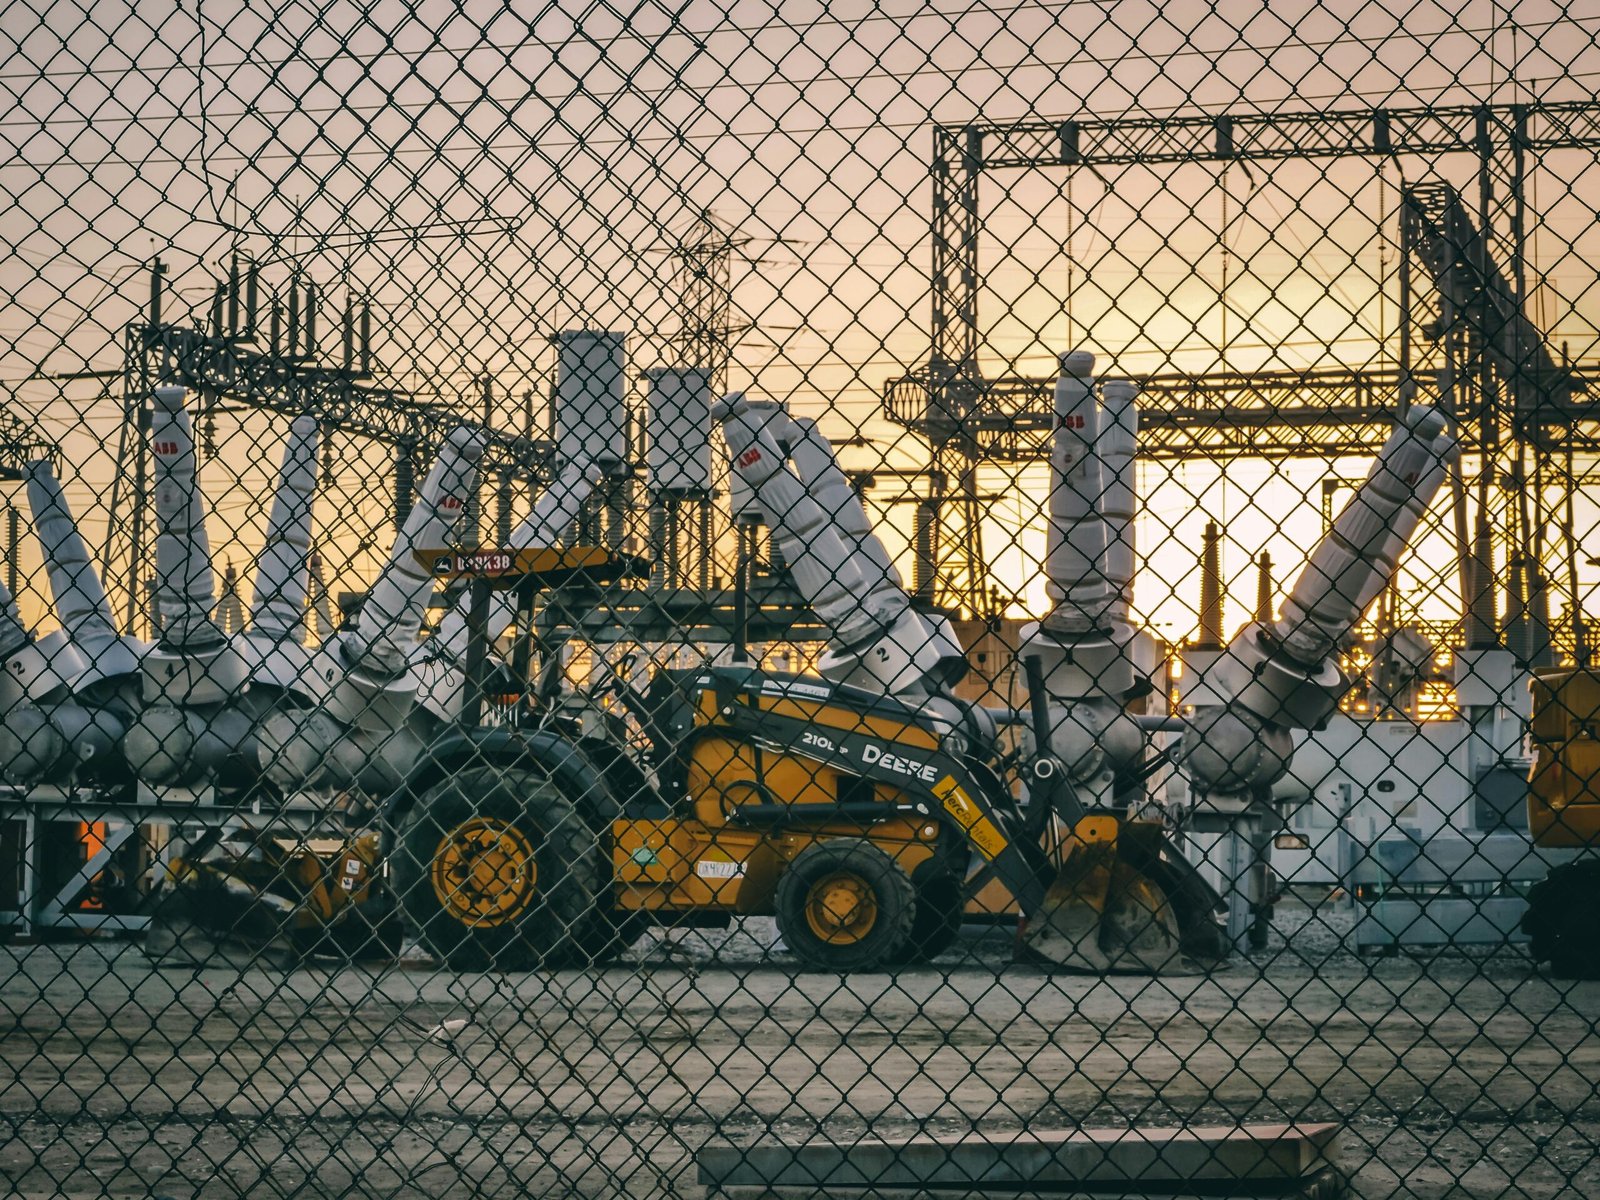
<point>1355,557</point>
<point>556,508</point>
<point>80,599</point>
<point>834,577</point>
<point>1077,533</point>
<point>391,616</point>
<point>186,590</point>
<point>278,607</point>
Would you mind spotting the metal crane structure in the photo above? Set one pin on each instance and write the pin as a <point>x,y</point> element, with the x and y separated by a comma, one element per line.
<point>1500,380</point>
<point>1502,384</point>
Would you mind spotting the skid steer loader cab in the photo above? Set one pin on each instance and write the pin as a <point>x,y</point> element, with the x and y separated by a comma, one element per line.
<point>826,807</point>
<point>814,802</point>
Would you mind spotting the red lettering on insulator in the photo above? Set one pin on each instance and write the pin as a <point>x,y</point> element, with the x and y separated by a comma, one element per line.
<point>750,457</point>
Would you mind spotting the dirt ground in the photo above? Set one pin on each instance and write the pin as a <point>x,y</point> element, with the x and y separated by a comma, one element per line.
<point>1455,1075</point>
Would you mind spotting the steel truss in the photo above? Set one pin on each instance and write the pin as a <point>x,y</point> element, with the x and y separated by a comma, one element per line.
<point>1276,414</point>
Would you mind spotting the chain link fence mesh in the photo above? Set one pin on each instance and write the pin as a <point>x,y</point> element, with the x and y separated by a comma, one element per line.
<point>790,599</point>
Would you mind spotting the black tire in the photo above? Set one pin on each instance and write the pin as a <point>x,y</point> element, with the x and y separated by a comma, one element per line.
<point>1563,920</point>
<point>871,932</point>
<point>371,931</point>
<point>605,936</point>
<point>498,915</point>
<point>936,924</point>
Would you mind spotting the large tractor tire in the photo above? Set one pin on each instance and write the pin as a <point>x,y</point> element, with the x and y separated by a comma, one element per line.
<point>606,935</point>
<point>845,905</point>
<point>940,909</point>
<point>1563,920</point>
<point>497,870</point>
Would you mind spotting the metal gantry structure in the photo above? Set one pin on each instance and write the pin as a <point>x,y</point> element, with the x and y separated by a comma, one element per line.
<point>260,350</point>
<point>1465,327</point>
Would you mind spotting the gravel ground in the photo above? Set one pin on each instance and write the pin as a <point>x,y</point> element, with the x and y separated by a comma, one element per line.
<point>1454,1074</point>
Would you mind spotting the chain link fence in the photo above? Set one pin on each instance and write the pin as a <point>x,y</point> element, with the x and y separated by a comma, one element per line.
<point>799,599</point>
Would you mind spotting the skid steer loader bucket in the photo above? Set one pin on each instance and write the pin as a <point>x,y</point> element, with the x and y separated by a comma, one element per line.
<point>1119,896</point>
<point>1124,900</point>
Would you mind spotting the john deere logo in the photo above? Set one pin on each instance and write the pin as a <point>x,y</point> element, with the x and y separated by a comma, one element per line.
<point>441,565</point>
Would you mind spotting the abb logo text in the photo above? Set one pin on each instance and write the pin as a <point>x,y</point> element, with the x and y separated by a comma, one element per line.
<point>750,457</point>
<point>1072,421</point>
<point>164,447</point>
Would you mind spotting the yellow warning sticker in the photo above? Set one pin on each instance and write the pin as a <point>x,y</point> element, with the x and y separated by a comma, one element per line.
<point>980,830</point>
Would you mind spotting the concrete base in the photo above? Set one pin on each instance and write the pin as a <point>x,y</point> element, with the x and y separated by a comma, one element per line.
<point>1265,1160</point>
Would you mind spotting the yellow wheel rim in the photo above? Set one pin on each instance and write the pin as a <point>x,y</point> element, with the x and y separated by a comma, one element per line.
<point>841,908</point>
<point>484,872</point>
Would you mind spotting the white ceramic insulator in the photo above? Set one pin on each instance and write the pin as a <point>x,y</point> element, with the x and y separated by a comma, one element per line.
<point>278,607</point>
<point>80,598</point>
<point>1357,556</point>
<point>186,589</point>
<point>817,466</point>
<point>743,504</point>
<point>1118,447</point>
<point>1446,452</point>
<point>556,508</point>
<point>834,576</point>
<point>391,617</point>
<point>905,658</point>
<point>46,666</point>
<point>1077,534</point>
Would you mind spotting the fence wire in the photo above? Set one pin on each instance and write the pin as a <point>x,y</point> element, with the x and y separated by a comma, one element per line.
<point>792,599</point>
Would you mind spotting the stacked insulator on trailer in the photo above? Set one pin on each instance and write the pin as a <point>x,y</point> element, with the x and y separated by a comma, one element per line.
<point>81,683</point>
<point>205,694</point>
<point>836,562</point>
<point>367,730</point>
<point>1087,650</point>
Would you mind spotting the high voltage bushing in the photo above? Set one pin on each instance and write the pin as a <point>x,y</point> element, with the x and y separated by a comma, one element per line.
<point>1085,646</point>
<point>1285,676</point>
<point>440,660</point>
<point>192,661</point>
<point>184,738</point>
<point>81,699</point>
<point>368,730</point>
<point>837,563</point>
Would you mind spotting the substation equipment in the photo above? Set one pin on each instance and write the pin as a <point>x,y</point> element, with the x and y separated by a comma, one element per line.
<point>860,806</point>
<point>323,726</point>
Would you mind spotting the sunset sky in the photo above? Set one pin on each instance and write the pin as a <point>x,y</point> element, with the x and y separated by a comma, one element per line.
<point>492,174</point>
